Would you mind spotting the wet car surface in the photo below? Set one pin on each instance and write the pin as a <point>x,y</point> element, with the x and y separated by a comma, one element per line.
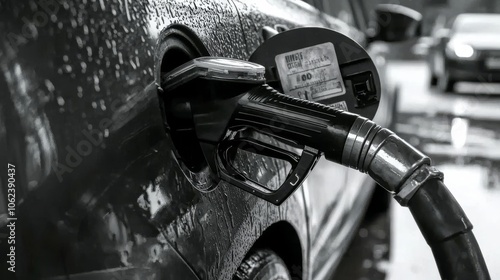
<point>101,192</point>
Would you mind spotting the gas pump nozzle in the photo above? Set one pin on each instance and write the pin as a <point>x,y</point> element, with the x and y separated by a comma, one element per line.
<point>239,99</point>
<point>340,136</point>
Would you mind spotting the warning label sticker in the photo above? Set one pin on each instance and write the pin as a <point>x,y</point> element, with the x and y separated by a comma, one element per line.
<point>311,73</point>
<point>342,105</point>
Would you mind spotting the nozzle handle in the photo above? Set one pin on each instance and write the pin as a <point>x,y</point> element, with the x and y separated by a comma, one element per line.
<point>307,123</point>
<point>301,166</point>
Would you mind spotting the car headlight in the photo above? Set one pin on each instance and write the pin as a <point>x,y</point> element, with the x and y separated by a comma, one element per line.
<point>463,51</point>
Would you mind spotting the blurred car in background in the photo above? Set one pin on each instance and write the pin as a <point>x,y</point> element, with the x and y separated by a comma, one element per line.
<point>468,51</point>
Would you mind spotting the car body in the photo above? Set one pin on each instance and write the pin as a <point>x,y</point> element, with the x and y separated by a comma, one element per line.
<point>99,191</point>
<point>469,51</point>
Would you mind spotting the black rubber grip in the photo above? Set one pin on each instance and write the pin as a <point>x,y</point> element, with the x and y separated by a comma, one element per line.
<point>307,123</point>
<point>448,232</point>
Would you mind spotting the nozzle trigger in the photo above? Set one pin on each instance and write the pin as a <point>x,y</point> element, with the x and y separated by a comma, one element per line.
<point>301,164</point>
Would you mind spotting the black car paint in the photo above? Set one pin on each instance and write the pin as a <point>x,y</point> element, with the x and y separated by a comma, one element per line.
<point>80,115</point>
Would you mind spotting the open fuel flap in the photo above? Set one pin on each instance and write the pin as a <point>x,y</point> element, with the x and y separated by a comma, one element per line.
<point>323,66</point>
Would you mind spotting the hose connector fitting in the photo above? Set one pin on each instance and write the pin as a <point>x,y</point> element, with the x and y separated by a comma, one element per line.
<point>415,181</point>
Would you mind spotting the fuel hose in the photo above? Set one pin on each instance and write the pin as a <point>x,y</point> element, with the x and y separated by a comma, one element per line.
<point>402,170</point>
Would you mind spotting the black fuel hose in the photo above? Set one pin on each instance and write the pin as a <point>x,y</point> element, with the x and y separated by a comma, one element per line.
<point>394,164</point>
<point>448,232</point>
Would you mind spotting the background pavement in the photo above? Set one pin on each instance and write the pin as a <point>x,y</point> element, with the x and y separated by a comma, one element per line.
<point>461,130</point>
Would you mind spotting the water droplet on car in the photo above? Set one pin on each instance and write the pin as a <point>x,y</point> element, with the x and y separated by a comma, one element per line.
<point>83,65</point>
<point>79,41</point>
<point>49,85</point>
<point>79,92</point>
<point>103,106</point>
<point>60,101</point>
<point>68,68</point>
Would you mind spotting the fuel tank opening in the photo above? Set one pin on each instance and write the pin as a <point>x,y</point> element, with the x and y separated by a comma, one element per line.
<point>181,47</point>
